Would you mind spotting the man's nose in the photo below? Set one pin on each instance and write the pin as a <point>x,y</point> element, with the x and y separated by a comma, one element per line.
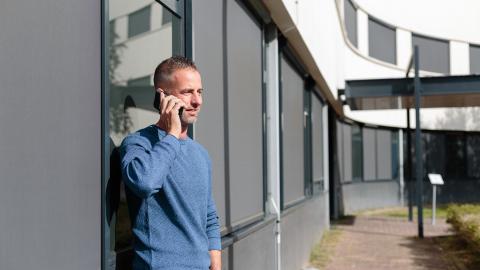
<point>196,99</point>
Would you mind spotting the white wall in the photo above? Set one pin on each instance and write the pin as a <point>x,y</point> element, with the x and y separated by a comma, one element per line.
<point>320,25</point>
<point>447,19</point>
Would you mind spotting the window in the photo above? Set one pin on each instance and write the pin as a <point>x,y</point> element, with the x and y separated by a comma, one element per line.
<point>139,22</point>
<point>357,153</point>
<point>351,22</point>
<point>474,59</point>
<point>382,41</point>
<point>434,54</point>
<point>131,65</point>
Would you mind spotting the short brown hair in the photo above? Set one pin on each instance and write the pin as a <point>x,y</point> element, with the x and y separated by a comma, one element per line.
<point>166,68</point>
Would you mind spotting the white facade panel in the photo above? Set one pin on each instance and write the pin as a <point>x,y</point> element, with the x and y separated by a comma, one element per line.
<point>459,58</point>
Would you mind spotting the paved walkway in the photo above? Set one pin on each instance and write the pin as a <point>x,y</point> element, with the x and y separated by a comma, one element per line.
<point>371,243</point>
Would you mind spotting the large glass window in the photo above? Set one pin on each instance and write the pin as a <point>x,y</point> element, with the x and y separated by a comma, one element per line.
<point>357,153</point>
<point>434,54</point>
<point>474,59</point>
<point>351,22</point>
<point>382,41</point>
<point>130,68</point>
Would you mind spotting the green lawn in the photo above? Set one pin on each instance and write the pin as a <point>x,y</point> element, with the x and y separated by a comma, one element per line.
<point>402,212</point>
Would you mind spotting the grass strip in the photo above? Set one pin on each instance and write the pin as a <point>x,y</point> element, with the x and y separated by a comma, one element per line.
<point>322,252</point>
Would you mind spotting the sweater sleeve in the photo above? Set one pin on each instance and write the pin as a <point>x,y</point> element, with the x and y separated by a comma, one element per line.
<point>145,167</point>
<point>213,228</point>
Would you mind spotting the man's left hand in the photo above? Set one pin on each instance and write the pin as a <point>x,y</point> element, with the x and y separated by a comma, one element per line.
<point>215,260</point>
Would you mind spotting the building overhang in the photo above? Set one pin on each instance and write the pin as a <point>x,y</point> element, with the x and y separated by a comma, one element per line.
<point>436,92</point>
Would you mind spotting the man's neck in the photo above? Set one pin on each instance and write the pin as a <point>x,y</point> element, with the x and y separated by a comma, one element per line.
<point>183,134</point>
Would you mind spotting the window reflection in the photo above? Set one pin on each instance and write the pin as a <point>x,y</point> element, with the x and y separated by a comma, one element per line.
<point>142,34</point>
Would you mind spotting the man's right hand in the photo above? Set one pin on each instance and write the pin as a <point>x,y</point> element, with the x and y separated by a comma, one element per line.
<point>169,106</point>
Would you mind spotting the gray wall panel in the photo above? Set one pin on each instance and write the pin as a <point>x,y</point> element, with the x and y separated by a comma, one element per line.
<point>347,152</point>
<point>293,117</point>
<point>50,155</point>
<point>245,112</point>
<point>434,54</point>
<point>368,195</point>
<point>317,138</point>
<point>256,251</point>
<point>302,228</point>
<point>384,154</point>
<point>369,154</point>
<point>339,142</point>
<point>382,41</point>
<point>209,130</point>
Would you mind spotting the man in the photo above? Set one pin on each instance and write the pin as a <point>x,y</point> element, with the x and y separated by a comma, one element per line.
<point>168,179</point>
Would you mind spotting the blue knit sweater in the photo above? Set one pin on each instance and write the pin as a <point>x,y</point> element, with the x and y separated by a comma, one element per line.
<point>174,220</point>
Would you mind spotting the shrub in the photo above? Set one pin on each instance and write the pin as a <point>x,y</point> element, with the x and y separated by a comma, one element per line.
<point>465,220</point>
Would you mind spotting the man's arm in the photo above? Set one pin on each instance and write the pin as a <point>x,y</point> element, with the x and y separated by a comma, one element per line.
<point>215,260</point>
<point>144,167</point>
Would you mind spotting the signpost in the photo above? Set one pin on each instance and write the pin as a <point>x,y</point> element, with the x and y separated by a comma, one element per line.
<point>435,179</point>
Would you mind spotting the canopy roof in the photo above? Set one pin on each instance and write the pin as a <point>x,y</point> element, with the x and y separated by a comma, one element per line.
<point>398,93</point>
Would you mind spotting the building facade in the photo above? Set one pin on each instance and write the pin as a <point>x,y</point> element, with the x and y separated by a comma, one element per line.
<point>287,154</point>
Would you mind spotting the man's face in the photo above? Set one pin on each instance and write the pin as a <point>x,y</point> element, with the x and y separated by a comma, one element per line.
<point>186,84</point>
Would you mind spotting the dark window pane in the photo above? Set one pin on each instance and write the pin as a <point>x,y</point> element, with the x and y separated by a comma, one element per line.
<point>351,22</point>
<point>357,154</point>
<point>474,59</point>
<point>434,54</point>
<point>455,167</point>
<point>395,155</point>
<point>434,153</point>
<point>381,41</point>
<point>139,22</point>
<point>473,156</point>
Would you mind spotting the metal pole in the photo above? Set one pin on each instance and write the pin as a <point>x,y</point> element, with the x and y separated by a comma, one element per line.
<point>409,168</point>
<point>434,203</point>
<point>418,147</point>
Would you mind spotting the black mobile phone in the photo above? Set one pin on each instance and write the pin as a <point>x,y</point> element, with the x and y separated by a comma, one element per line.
<point>156,103</point>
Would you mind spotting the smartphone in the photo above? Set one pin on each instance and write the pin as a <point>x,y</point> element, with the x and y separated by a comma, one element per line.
<point>156,104</point>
